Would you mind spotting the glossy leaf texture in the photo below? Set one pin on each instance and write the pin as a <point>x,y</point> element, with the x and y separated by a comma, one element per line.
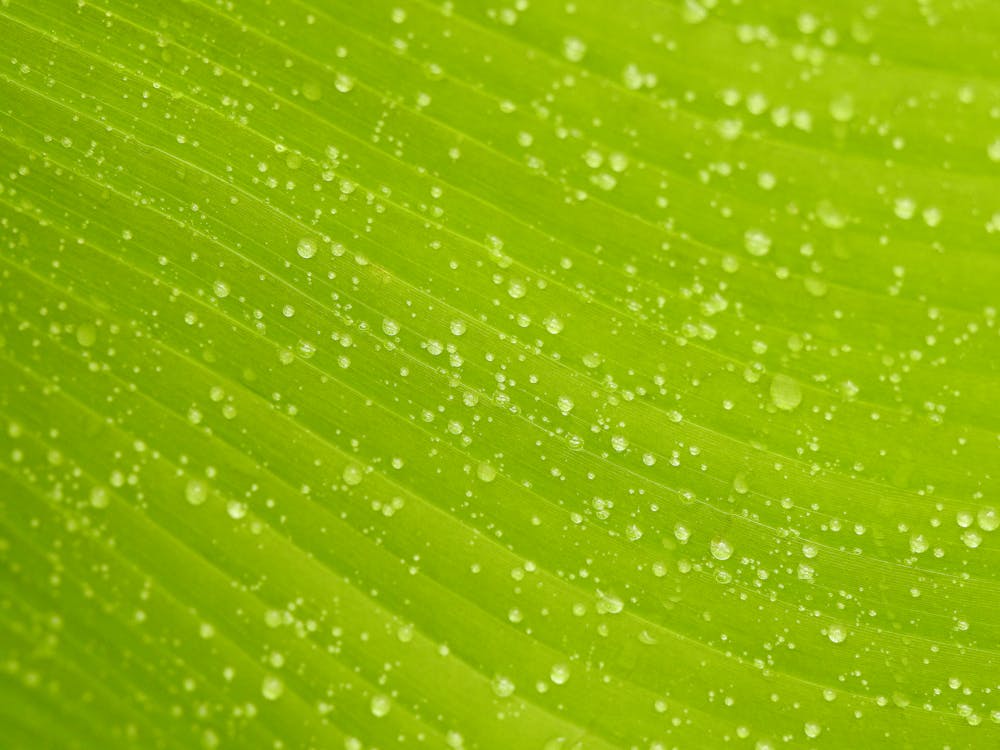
<point>582,375</point>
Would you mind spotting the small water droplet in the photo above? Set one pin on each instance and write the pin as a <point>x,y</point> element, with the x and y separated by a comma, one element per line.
<point>272,687</point>
<point>353,474</point>
<point>574,49</point>
<point>502,686</point>
<point>307,248</point>
<point>786,393</point>
<point>312,91</point>
<point>99,497</point>
<point>721,549</point>
<point>559,674</point>
<point>196,491</point>
<point>608,604</point>
<point>988,519</point>
<point>836,633</point>
<point>86,335</point>
<point>380,705</point>
<point>343,83</point>
<point>757,242</point>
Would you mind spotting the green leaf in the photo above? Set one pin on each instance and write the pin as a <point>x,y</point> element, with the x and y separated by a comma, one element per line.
<point>579,375</point>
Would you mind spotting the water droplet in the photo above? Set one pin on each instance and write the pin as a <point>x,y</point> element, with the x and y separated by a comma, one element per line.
<point>632,77</point>
<point>786,393</point>
<point>918,544</point>
<point>988,519</point>
<point>757,242</point>
<point>272,687</point>
<point>86,335</point>
<point>972,539</point>
<point>842,108</point>
<point>312,91</point>
<point>502,686</point>
<point>905,207</point>
<point>486,472</point>
<point>307,248</point>
<point>196,492</point>
<point>721,549</point>
<point>559,674</point>
<point>353,474</point>
<point>565,404</point>
<point>608,604</point>
<point>390,327</point>
<point>343,83</point>
<point>380,705</point>
<point>99,497</point>
<point>836,633</point>
<point>574,49</point>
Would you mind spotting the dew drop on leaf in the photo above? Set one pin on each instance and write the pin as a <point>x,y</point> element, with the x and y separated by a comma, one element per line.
<point>502,686</point>
<point>486,472</point>
<point>608,604</point>
<point>196,492</point>
<point>721,549</point>
<point>836,633</point>
<point>343,83</point>
<point>559,674</point>
<point>786,393</point>
<point>312,91</point>
<point>99,497</point>
<point>988,519</point>
<point>353,474</point>
<point>307,248</point>
<point>272,687</point>
<point>757,242</point>
<point>86,335</point>
<point>574,49</point>
<point>380,705</point>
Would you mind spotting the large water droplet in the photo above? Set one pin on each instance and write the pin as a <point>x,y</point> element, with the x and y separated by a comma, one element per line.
<point>380,705</point>
<point>559,674</point>
<point>836,633</point>
<point>307,248</point>
<point>502,686</point>
<point>196,492</point>
<point>721,549</point>
<point>757,242</point>
<point>786,393</point>
<point>272,687</point>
